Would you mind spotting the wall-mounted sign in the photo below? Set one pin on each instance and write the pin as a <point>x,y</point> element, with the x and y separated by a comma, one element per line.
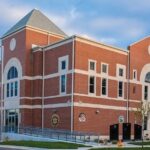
<point>121,119</point>
<point>82,117</point>
<point>55,119</point>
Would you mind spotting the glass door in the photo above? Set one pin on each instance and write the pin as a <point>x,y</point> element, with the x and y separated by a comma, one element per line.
<point>11,121</point>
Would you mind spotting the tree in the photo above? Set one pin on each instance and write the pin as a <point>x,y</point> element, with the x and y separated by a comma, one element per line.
<point>142,111</point>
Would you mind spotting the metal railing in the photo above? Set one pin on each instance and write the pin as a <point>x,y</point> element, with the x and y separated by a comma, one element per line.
<point>64,135</point>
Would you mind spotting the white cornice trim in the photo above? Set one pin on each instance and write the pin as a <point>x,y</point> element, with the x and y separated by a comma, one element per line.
<point>106,98</point>
<point>102,45</point>
<point>89,105</point>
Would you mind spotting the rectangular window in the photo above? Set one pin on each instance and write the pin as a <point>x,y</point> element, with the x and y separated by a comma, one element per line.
<point>92,84</point>
<point>104,86</point>
<point>8,89</point>
<point>120,90</point>
<point>11,91</point>
<point>135,74</point>
<point>145,122</point>
<point>63,83</point>
<point>16,88</point>
<point>92,66</point>
<point>63,65</point>
<point>146,92</point>
<point>104,68</point>
<point>120,72</point>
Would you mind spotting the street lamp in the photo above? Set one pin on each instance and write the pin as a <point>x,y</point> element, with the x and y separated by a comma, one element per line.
<point>1,102</point>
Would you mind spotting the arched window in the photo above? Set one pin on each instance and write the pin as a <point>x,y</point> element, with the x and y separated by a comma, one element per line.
<point>12,82</point>
<point>147,77</point>
<point>146,87</point>
<point>12,73</point>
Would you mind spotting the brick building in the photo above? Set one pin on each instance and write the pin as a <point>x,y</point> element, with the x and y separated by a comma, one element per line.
<point>51,80</point>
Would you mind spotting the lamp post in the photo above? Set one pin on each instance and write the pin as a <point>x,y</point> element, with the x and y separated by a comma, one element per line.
<point>1,101</point>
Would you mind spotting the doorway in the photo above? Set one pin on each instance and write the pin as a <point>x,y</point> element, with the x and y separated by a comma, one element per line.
<point>126,131</point>
<point>11,121</point>
<point>114,132</point>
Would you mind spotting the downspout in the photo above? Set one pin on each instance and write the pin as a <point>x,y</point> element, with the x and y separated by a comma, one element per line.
<point>43,85</point>
<point>128,85</point>
<point>2,84</point>
<point>72,100</point>
<point>43,80</point>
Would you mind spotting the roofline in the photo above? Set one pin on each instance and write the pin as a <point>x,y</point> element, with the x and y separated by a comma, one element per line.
<point>76,37</point>
<point>27,26</point>
<point>142,39</point>
<point>100,43</point>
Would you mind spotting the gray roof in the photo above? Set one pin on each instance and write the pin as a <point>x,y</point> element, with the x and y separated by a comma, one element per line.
<point>38,20</point>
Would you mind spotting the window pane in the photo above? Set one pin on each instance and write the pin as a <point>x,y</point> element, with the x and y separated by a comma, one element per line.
<point>16,88</point>
<point>8,89</point>
<point>63,65</point>
<point>63,83</point>
<point>92,84</point>
<point>146,92</point>
<point>12,73</point>
<point>120,89</point>
<point>120,72</point>
<point>92,65</point>
<point>12,89</point>
<point>104,68</point>
<point>104,87</point>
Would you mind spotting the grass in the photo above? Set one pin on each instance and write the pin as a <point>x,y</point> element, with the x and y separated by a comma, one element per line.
<point>49,145</point>
<point>121,148</point>
<point>140,143</point>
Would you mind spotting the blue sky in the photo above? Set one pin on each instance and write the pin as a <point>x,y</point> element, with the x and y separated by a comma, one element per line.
<point>114,22</point>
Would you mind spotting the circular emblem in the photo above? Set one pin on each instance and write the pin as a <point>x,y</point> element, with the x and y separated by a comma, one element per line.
<point>12,45</point>
<point>55,120</point>
<point>82,117</point>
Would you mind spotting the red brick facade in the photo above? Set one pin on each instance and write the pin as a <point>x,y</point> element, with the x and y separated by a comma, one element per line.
<point>39,91</point>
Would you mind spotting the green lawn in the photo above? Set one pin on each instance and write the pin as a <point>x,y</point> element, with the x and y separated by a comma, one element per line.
<point>49,145</point>
<point>121,148</point>
<point>140,143</point>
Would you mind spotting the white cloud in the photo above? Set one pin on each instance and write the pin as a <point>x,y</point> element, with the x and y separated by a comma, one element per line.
<point>12,13</point>
<point>126,27</point>
<point>109,40</point>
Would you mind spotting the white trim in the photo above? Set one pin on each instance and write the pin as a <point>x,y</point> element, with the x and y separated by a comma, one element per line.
<point>13,62</point>
<point>107,69</point>
<point>89,62</point>
<point>106,87</point>
<point>92,94</point>
<point>120,66</point>
<point>59,43</point>
<point>107,98</point>
<point>120,97</point>
<point>60,60</point>
<point>134,71</point>
<point>60,105</point>
<point>139,40</point>
<point>32,77</point>
<point>108,107</point>
<point>101,45</point>
<point>46,97</point>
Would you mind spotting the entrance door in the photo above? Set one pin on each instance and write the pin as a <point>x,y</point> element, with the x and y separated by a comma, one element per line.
<point>11,121</point>
<point>114,132</point>
<point>126,131</point>
<point>137,132</point>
